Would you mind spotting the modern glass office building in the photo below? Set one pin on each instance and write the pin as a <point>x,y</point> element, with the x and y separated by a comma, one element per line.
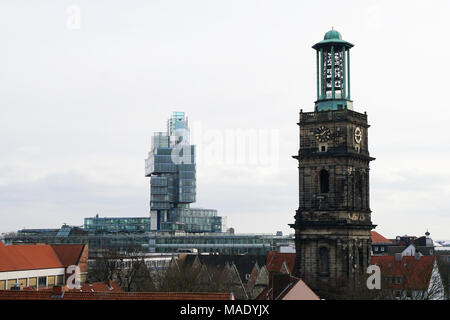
<point>171,168</point>
<point>173,226</point>
<point>117,225</point>
<point>159,242</point>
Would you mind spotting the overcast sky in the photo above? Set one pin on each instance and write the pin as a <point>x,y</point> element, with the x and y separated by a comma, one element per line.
<point>80,99</point>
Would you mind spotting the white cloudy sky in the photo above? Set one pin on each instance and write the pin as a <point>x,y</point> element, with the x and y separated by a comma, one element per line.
<point>78,106</point>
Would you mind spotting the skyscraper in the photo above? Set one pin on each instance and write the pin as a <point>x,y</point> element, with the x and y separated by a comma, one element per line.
<point>171,168</point>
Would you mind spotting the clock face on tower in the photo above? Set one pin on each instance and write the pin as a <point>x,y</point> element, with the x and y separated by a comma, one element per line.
<point>323,134</point>
<point>358,135</point>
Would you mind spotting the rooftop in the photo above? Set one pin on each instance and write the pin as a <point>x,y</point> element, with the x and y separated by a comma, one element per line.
<point>110,286</point>
<point>39,256</point>
<point>378,238</point>
<point>28,257</point>
<point>332,34</point>
<point>58,294</point>
<point>274,261</point>
<point>332,37</point>
<point>415,271</point>
<point>69,254</point>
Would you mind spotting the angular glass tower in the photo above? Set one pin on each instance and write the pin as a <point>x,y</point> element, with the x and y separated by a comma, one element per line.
<point>171,168</point>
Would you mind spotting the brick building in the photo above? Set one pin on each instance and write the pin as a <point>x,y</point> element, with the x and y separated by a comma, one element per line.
<point>39,266</point>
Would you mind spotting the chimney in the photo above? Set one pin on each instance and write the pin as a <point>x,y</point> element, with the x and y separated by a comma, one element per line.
<point>16,286</point>
<point>58,292</point>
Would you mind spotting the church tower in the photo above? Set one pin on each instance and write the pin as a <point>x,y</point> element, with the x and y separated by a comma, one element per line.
<point>333,220</point>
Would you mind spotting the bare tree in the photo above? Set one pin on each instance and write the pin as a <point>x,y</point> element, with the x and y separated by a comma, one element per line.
<point>181,277</point>
<point>127,268</point>
<point>444,269</point>
<point>411,281</point>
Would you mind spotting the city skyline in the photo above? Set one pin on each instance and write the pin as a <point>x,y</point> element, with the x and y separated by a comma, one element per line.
<point>79,106</point>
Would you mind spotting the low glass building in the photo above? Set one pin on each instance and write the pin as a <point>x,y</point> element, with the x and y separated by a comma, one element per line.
<point>193,220</point>
<point>117,225</point>
<point>163,242</point>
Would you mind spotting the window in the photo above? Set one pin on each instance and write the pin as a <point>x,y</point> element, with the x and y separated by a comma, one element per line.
<point>358,184</point>
<point>42,282</point>
<point>324,260</point>
<point>324,181</point>
<point>361,258</point>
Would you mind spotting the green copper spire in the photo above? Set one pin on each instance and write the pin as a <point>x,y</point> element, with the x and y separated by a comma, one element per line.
<point>332,34</point>
<point>333,72</point>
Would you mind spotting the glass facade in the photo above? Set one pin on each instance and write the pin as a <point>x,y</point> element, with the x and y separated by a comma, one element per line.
<point>38,232</point>
<point>165,242</point>
<point>172,171</point>
<point>193,220</point>
<point>117,225</point>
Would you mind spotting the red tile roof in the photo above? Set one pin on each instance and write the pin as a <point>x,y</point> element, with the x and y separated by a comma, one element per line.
<point>28,257</point>
<point>111,286</point>
<point>73,295</point>
<point>68,254</point>
<point>378,238</point>
<point>274,261</point>
<point>286,287</point>
<point>415,273</point>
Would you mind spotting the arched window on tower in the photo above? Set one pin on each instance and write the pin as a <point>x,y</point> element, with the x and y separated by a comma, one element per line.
<point>359,188</point>
<point>324,181</point>
<point>346,261</point>
<point>324,262</point>
<point>358,183</point>
<point>361,258</point>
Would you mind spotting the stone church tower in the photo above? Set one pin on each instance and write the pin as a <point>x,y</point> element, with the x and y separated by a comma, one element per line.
<point>333,221</point>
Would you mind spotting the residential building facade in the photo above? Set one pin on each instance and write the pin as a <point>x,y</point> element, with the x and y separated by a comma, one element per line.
<point>414,277</point>
<point>40,266</point>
